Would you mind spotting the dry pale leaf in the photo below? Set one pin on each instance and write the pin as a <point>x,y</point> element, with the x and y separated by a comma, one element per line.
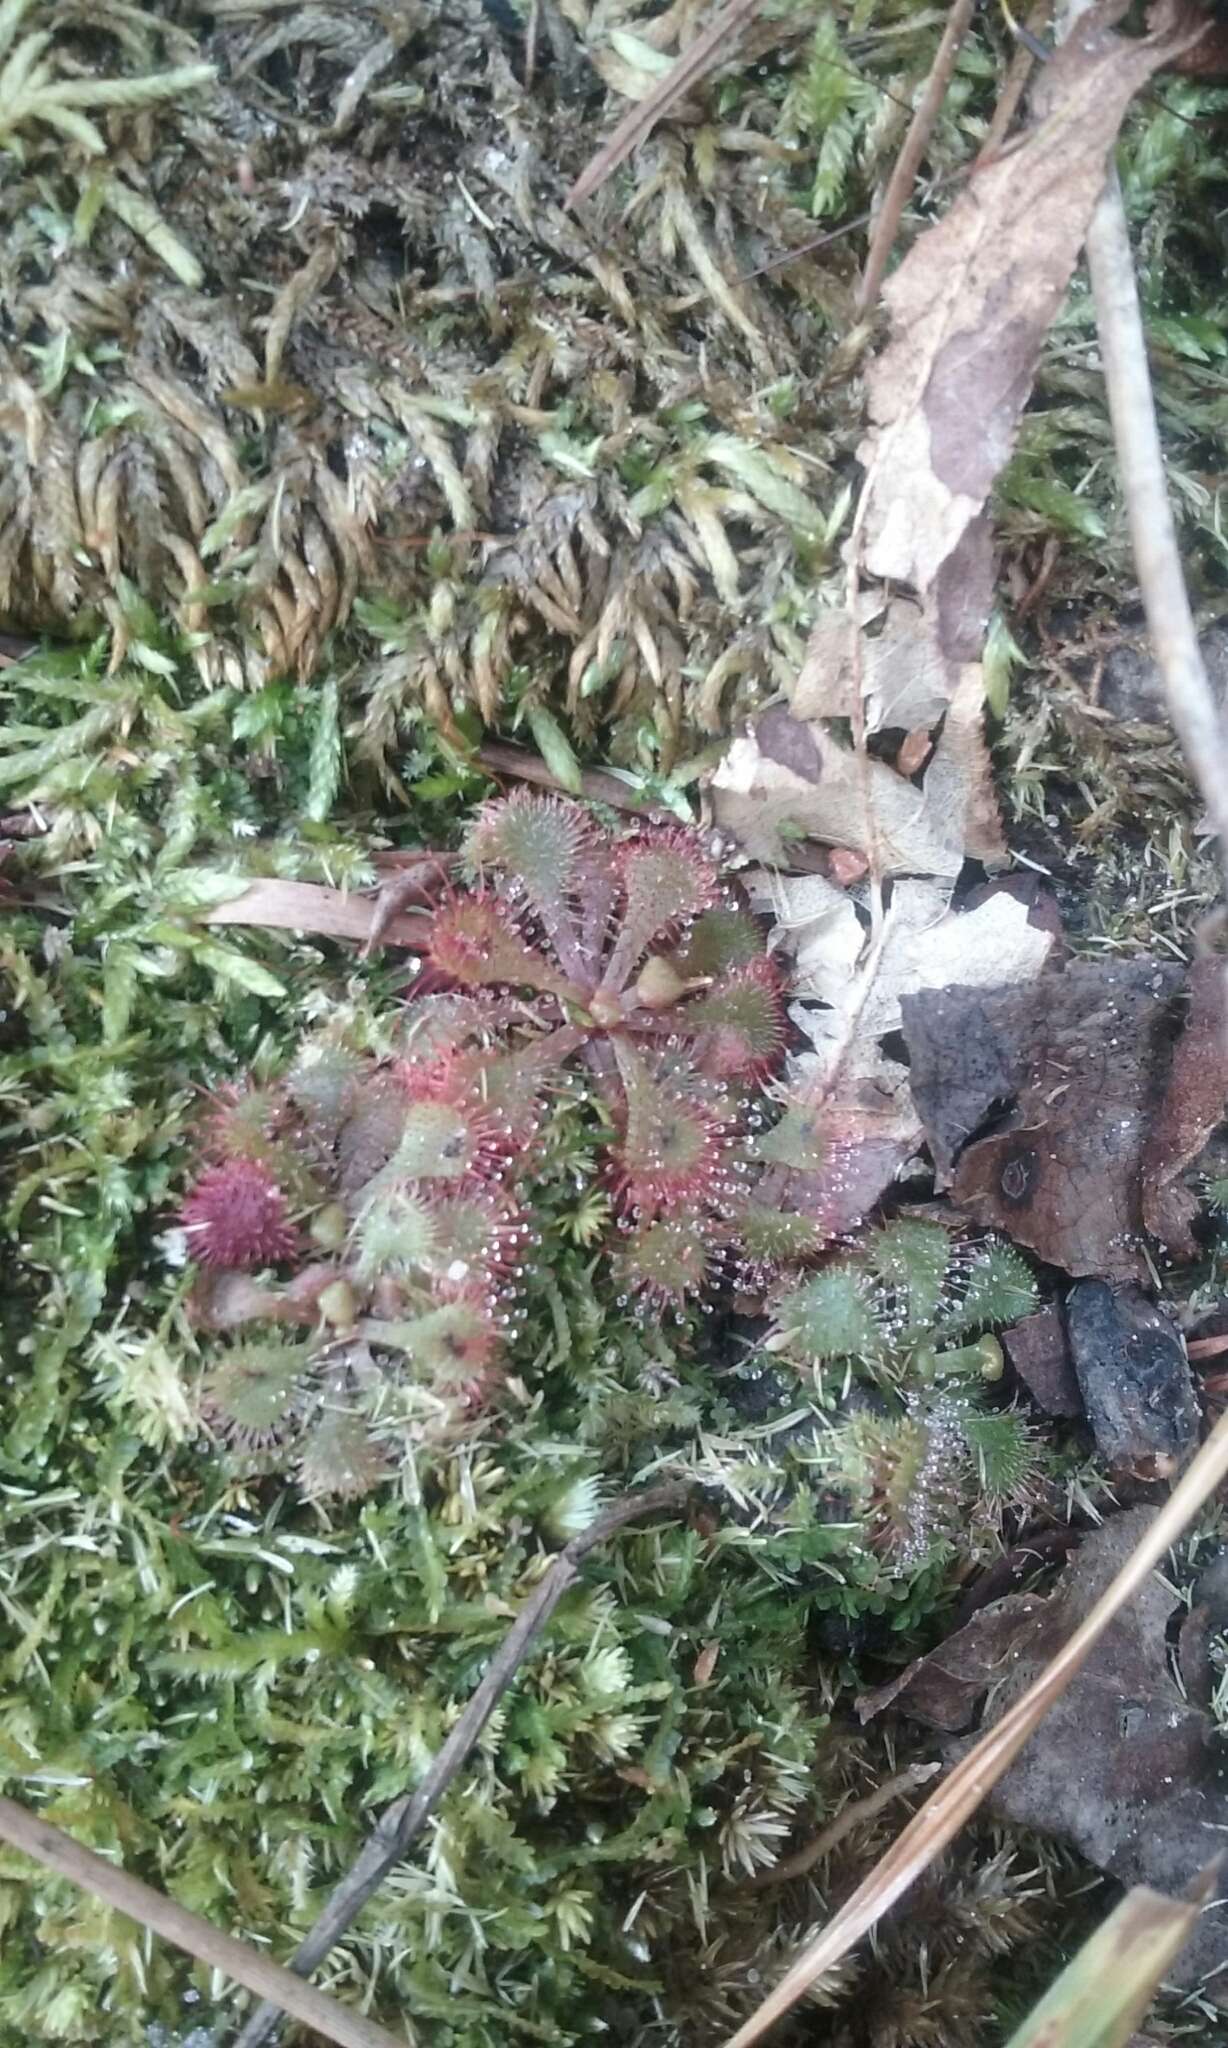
<point>787,778</point>
<point>318,911</point>
<point>849,985</point>
<point>972,300</point>
<point>906,680</point>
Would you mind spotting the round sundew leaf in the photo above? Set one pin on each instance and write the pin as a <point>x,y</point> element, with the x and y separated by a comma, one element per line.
<point>320,1084</point>
<point>672,1150</point>
<point>250,1395</point>
<point>667,1259</point>
<point>339,1457</point>
<point>999,1288</point>
<point>474,943</point>
<point>441,1141</point>
<point>395,1232</point>
<point>666,881</point>
<point>768,1240</point>
<point>741,1021</point>
<point>911,1257</point>
<point>720,939</point>
<point>536,843</point>
<point>830,1316</point>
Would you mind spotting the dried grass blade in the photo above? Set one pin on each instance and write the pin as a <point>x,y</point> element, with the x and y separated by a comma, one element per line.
<point>1103,1993</point>
<point>703,55</point>
<point>937,1822</point>
<point>310,907</point>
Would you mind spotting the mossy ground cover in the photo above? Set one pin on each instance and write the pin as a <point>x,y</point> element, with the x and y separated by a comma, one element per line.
<point>592,495</point>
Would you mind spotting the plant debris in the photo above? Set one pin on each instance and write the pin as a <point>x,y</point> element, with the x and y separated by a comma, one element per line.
<point>1078,1079</point>
<point>1126,1767</point>
<point>1134,1377</point>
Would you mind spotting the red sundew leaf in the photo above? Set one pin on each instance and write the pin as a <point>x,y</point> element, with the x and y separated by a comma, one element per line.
<point>474,943</point>
<point>667,1260</point>
<point>672,1153</point>
<point>740,1023</point>
<point>667,880</point>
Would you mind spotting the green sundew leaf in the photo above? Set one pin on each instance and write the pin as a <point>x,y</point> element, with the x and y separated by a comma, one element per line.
<point>1062,507</point>
<point>1003,1451</point>
<point>1101,1996</point>
<point>230,965</point>
<point>998,663</point>
<point>830,1316</point>
<point>911,1258</point>
<point>1000,1289</point>
<point>324,770</point>
<point>554,747</point>
<point>756,471</point>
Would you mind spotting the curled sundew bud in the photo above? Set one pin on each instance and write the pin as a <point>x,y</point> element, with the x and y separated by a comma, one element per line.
<point>337,1304</point>
<point>659,984</point>
<point>330,1227</point>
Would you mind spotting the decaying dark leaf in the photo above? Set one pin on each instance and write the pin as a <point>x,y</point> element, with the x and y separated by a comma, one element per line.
<point>1125,1766</point>
<point>1039,1350</point>
<point>1069,1073</point>
<point>944,1689</point>
<point>1134,1377</point>
<point>1193,1104</point>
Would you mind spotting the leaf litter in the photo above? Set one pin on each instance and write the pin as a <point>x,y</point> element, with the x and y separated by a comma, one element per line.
<point>1128,1766</point>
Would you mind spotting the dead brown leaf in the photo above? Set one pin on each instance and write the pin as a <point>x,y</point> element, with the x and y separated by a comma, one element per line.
<point>1194,1103</point>
<point>1126,1768</point>
<point>312,908</point>
<point>972,300</point>
<point>945,1688</point>
<point>1072,1069</point>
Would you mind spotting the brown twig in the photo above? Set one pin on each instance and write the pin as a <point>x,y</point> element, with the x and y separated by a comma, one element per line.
<point>908,162</point>
<point>397,1826</point>
<point>1016,83</point>
<point>713,47</point>
<point>57,1851</point>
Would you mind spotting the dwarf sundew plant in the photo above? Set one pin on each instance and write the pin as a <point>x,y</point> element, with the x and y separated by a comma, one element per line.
<point>897,1340</point>
<point>579,981</point>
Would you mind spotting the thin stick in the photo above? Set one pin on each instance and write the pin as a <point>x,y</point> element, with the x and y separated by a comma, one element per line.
<point>849,1817</point>
<point>904,175</point>
<point>1017,76</point>
<point>947,1810</point>
<point>57,1851</point>
<point>396,1827</point>
<point>1153,535</point>
<point>595,783</point>
<point>715,46</point>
